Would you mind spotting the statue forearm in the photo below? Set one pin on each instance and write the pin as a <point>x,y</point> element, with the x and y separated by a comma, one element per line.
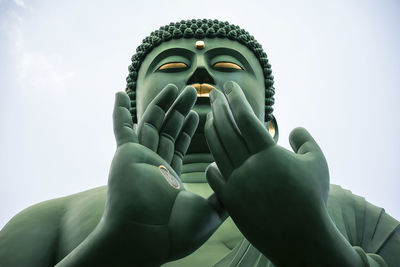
<point>333,248</point>
<point>92,251</point>
<point>105,247</point>
<point>317,243</point>
<point>330,248</point>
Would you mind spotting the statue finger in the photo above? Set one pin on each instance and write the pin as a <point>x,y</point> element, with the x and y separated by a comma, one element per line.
<point>302,142</point>
<point>251,128</point>
<point>216,148</point>
<point>233,142</point>
<point>215,178</point>
<point>174,121</point>
<point>177,113</point>
<point>185,101</point>
<point>218,206</point>
<point>149,136</point>
<point>122,120</point>
<point>152,119</point>
<point>306,147</point>
<point>183,141</point>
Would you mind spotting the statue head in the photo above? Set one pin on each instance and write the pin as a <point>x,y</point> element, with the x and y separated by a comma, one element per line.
<point>204,54</point>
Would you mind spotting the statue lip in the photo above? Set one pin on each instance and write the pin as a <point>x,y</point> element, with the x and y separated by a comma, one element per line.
<point>203,89</point>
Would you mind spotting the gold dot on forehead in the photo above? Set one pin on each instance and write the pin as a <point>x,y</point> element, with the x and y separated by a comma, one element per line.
<point>200,44</point>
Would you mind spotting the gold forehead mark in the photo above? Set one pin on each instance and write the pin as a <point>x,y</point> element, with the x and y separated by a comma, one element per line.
<point>200,45</point>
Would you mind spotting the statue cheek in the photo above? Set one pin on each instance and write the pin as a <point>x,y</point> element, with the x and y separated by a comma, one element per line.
<point>255,95</point>
<point>145,93</point>
<point>147,89</point>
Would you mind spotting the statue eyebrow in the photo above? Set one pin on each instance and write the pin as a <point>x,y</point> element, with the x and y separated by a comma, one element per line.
<point>176,51</point>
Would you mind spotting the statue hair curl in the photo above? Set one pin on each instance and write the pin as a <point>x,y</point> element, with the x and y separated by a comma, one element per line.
<point>199,29</point>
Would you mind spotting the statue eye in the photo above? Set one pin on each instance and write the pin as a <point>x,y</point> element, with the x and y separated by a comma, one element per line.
<point>227,66</point>
<point>173,66</point>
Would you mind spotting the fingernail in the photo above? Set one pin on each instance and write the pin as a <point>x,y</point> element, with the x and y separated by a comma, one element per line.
<point>212,96</point>
<point>209,114</point>
<point>228,87</point>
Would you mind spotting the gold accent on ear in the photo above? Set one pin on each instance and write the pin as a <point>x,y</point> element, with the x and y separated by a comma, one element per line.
<point>271,129</point>
<point>173,65</point>
<point>200,45</point>
<point>227,65</point>
<point>203,89</point>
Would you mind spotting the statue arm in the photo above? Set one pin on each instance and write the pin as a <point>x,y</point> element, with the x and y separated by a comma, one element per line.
<point>100,248</point>
<point>391,248</point>
<point>384,246</point>
<point>30,237</point>
<point>149,217</point>
<point>380,244</point>
<point>373,233</point>
<point>282,205</point>
<point>337,251</point>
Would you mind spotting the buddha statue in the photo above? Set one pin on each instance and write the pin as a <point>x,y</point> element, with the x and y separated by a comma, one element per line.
<point>198,178</point>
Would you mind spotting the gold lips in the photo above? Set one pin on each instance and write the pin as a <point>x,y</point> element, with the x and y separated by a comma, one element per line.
<point>203,89</point>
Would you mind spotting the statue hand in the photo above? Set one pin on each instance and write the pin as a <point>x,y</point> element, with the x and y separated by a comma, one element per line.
<point>148,212</point>
<point>277,198</point>
<point>168,124</point>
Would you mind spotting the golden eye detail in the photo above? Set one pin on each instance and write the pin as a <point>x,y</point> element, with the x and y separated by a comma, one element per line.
<point>173,65</point>
<point>227,65</point>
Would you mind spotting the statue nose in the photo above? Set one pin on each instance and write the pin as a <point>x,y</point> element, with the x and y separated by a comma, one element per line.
<point>201,75</point>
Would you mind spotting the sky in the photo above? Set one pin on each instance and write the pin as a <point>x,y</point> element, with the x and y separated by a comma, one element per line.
<point>336,66</point>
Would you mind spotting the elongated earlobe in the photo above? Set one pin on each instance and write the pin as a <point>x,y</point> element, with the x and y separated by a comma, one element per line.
<point>273,129</point>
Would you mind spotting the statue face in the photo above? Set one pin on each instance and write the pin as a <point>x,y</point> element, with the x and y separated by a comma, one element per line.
<point>206,67</point>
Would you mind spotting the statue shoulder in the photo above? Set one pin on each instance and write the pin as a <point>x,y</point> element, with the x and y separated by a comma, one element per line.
<point>39,231</point>
<point>361,223</point>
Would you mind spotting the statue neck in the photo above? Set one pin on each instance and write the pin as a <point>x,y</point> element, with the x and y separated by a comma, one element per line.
<point>194,166</point>
<point>198,156</point>
<point>199,144</point>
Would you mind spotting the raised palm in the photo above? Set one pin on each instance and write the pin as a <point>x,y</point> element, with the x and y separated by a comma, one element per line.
<point>147,209</point>
<point>276,197</point>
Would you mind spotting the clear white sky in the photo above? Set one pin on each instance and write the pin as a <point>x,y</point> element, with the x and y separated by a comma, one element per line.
<point>336,64</point>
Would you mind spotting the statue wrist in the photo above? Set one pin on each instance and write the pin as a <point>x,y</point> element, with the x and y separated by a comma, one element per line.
<point>331,248</point>
<point>316,243</point>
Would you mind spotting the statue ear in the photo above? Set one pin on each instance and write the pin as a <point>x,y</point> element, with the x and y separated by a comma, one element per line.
<point>273,129</point>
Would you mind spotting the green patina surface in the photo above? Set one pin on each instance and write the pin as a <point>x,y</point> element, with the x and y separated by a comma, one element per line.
<point>201,182</point>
